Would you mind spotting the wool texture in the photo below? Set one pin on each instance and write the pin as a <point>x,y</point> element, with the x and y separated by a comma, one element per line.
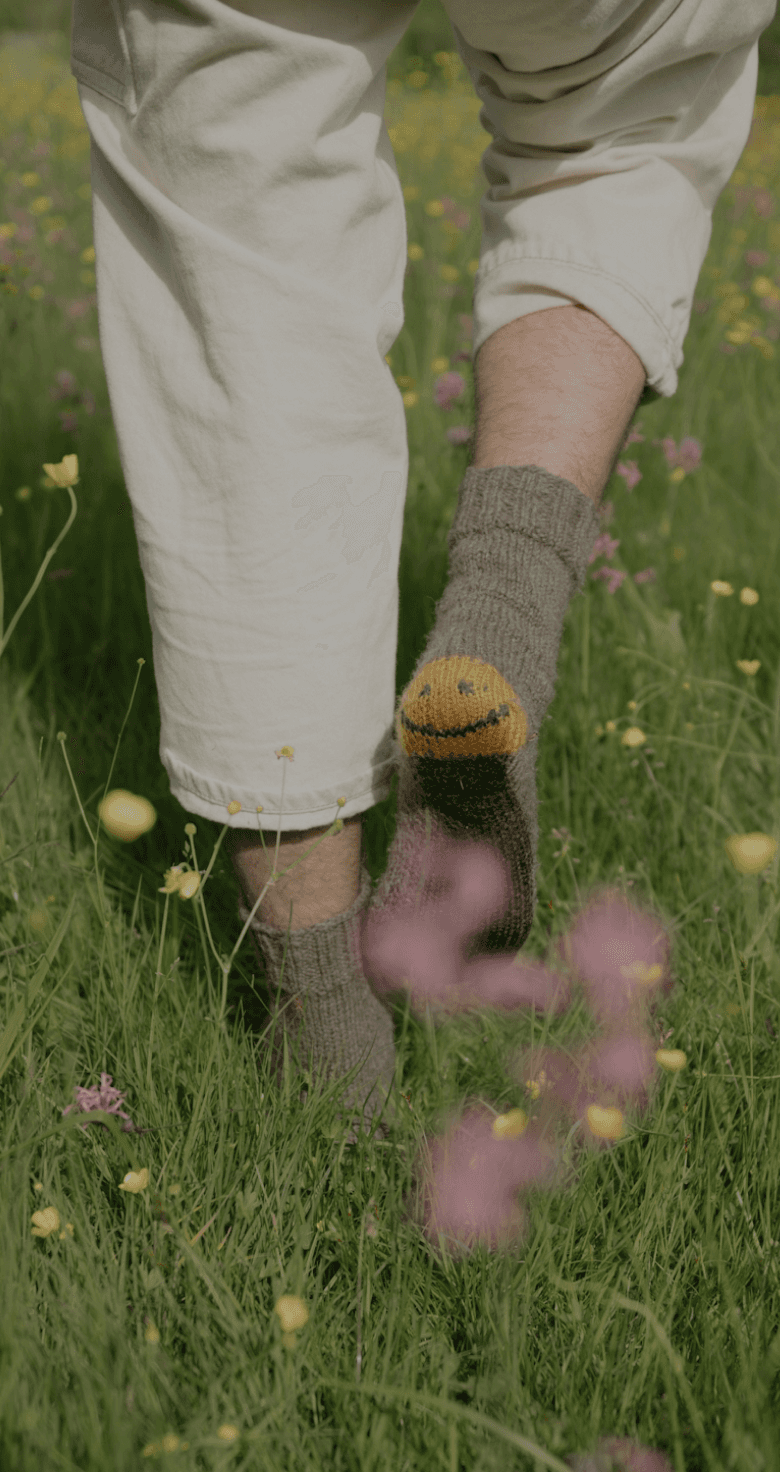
<point>468,721</point>
<point>328,1013</point>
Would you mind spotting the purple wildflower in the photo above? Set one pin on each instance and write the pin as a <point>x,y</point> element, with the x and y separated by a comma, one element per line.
<point>448,387</point>
<point>104,1097</point>
<point>604,546</point>
<point>620,1452</point>
<point>629,472</point>
<point>614,576</point>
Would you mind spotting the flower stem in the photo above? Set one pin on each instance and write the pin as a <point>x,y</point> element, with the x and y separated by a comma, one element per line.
<point>41,570</point>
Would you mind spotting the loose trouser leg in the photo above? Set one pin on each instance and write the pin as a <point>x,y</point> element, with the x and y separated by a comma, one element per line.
<point>250,239</point>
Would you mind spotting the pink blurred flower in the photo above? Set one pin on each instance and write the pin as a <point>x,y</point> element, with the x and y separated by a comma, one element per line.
<point>630,472</point>
<point>421,944</point>
<point>615,1073</point>
<point>604,546</point>
<point>611,575</point>
<point>448,387</point>
<point>468,1192</point>
<point>687,456</point>
<point>77,308</point>
<point>620,952</point>
<point>621,1453</point>
<point>756,257</point>
<point>648,575</point>
<point>617,951</point>
<point>67,387</point>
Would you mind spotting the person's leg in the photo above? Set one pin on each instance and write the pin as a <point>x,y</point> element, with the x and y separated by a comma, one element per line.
<point>250,239</point>
<point>554,402</point>
<point>324,882</point>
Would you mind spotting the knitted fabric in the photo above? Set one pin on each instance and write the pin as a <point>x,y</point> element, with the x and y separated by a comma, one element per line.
<point>329,1014</point>
<point>468,721</point>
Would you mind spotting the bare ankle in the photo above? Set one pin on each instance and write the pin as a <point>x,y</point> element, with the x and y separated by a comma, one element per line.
<point>323,884</point>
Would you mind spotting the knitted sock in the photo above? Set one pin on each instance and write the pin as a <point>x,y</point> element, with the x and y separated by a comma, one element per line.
<point>468,721</point>
<point>328,1009</point>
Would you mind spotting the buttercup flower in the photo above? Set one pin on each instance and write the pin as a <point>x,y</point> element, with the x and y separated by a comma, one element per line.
<point>135,1181</point>
<point>66,473</point>
<point>605,1124</point>
<point>181,881</point>
<point>126,816</point>
<point>291,1312</point>
<point>634,736</point>
<point>228,1432</point>
<point>46,1222</point>
<point>751,852</point>
<point>672,1059</point>
<point>510,1126</point>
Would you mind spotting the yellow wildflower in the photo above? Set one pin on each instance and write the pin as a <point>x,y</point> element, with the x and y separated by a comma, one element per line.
<point>638,971</point>
<point>634,736</point>
<point>751,852</point>
<point>606,1124</point>
<point>45,1222</point>
<point>181,881</point>
<point>510,1125</point>
<point>228,1432</point>
<point>135,1181</point>
<point>672,1059</point>
<point>536,1084</point>
<point>126,816</point>
<point>291,1311</point>
<point>64,474</point>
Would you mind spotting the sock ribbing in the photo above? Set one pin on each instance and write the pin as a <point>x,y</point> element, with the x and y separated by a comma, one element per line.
<point>330,1014</point>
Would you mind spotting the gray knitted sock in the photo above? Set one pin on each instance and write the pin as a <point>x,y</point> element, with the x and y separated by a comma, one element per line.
<point>468,721</point>
<point>328,1010</point>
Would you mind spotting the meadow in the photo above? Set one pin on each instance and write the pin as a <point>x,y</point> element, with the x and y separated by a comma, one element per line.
<point>228,1285</point>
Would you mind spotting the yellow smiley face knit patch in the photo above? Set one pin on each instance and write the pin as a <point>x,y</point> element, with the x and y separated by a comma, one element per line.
<point>459,706</point>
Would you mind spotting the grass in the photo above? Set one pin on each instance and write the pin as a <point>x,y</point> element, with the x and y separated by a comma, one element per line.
<point>644,1303</point>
